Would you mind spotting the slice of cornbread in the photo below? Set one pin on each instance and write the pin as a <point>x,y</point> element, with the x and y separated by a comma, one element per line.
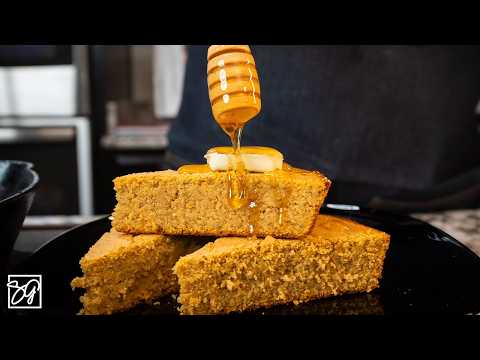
<point>121,271</point>
<point>283,203</point>
<point>235,274</point>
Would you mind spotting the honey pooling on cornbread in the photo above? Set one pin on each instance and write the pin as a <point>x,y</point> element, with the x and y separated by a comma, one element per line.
<point>234,91</point>
<point>255,159</point>
<point>194,201</point>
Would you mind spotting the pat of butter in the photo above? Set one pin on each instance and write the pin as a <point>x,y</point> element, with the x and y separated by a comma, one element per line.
<point>255,158</point>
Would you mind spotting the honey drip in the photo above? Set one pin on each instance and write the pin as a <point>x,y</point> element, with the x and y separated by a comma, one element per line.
<point>283,203</point>
<point>253,212</point>
<point>236,174</point>
<point>234,91</point>
<point>281,196</point>
<point>194,169</point>
<point>281,200</point>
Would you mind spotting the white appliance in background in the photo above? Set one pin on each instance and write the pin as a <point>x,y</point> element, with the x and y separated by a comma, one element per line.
<point>38,90</point>
<point>168,75</point>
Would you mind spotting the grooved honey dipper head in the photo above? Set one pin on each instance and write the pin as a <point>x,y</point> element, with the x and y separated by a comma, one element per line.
<point>233,85</point>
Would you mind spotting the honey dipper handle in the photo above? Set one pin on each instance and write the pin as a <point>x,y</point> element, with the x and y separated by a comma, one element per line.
<point>233,85</point>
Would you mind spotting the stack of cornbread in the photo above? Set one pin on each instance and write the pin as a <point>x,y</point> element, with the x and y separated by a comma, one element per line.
<point>174,232</point>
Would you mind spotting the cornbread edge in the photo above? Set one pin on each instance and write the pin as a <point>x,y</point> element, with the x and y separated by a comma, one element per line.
<point>166,202</point>
<point>235,274</point>
<point>121,271</point>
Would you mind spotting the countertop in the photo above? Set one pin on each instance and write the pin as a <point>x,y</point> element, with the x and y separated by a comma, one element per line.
<point>463,225</point>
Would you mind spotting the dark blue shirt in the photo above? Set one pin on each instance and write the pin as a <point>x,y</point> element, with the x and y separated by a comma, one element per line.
<point>390,121</point>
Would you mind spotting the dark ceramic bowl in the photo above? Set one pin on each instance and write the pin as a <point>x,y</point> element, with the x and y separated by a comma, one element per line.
<point>17,190</point>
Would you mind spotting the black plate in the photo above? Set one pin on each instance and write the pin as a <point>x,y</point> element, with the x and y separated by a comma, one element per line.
<point>425,270</point>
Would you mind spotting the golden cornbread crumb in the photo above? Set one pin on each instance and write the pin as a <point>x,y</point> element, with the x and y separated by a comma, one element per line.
<point>169,202</point>
<point>121,271</point>
<point>235,274</point>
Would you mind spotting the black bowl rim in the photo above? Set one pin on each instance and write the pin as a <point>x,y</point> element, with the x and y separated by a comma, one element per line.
<point>27,189</point>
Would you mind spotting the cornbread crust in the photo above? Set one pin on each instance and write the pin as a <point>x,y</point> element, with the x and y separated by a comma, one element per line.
<point>121,271</point>
<point>235,274</point>
<point>169,202</point>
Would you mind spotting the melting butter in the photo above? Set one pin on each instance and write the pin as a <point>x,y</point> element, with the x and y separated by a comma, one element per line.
<point>254,158</point>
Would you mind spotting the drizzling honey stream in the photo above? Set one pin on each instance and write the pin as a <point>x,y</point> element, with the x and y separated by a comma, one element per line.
<point>234,91</point>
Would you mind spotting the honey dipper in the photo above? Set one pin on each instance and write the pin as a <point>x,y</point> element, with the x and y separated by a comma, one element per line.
<point>233,87</point>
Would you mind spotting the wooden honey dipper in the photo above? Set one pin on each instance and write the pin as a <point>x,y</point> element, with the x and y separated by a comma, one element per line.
<point>233,87</point>
<point>234,92</point>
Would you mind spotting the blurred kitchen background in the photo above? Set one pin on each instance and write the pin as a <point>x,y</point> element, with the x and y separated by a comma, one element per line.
<point>84,115</point>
